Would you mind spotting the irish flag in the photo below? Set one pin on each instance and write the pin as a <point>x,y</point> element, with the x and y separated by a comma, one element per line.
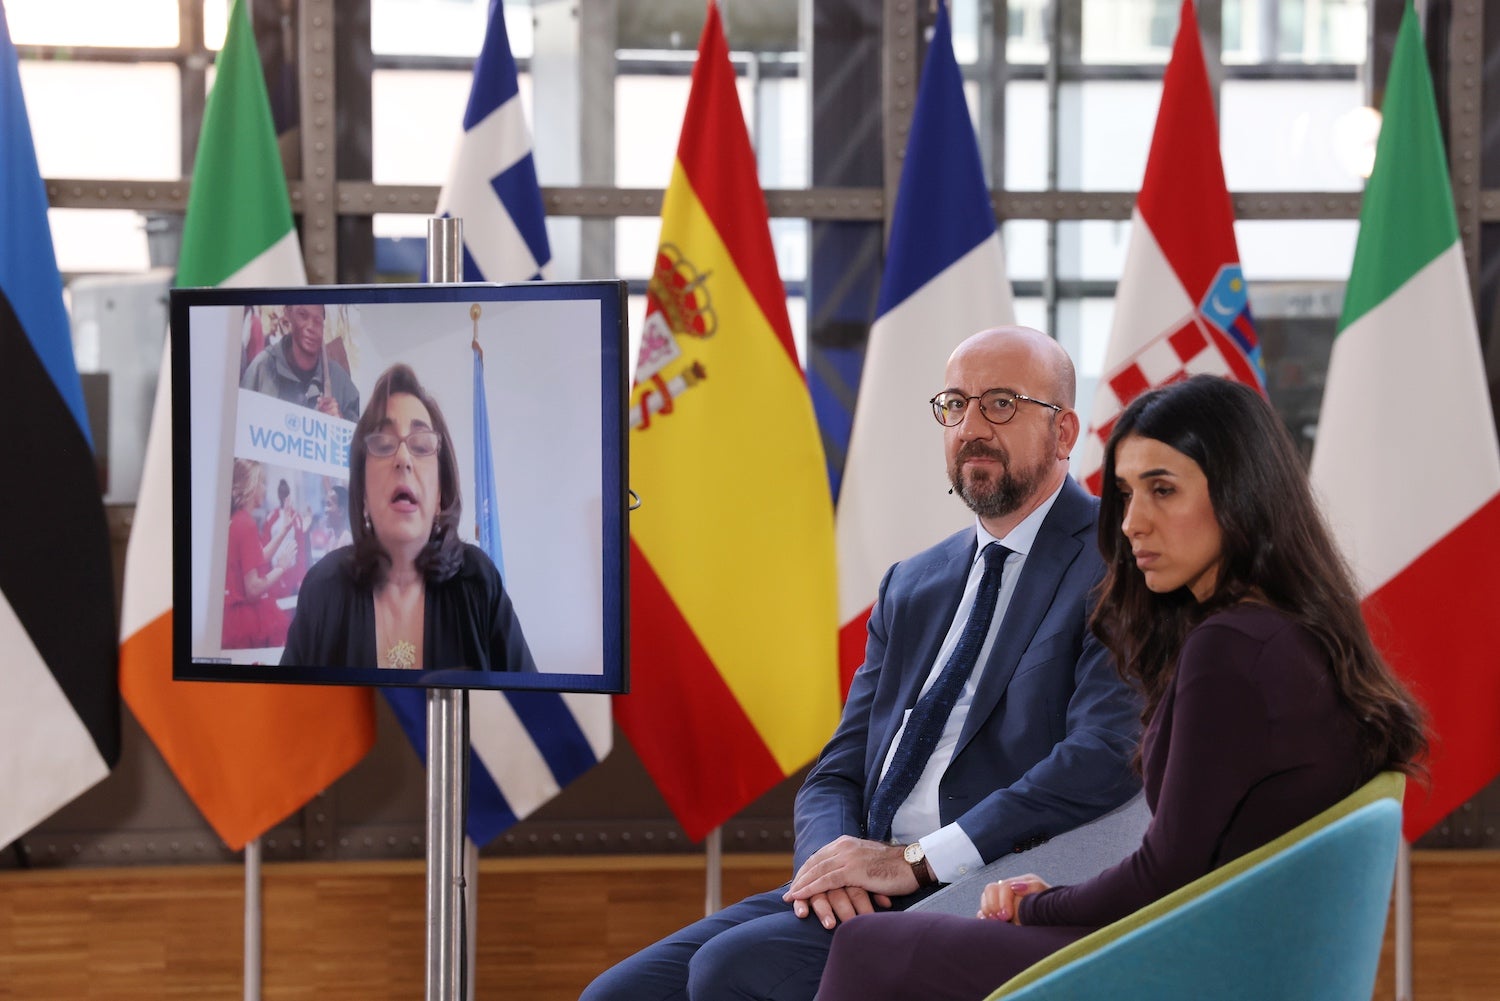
<point>1406,461</point>
<point>1182,307</point>
<point>247,755</point>
<point>733,612</point>
<point>944,280</point>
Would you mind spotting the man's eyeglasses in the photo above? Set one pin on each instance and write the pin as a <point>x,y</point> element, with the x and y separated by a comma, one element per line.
<point>421,444</point>
<point>997,405</point>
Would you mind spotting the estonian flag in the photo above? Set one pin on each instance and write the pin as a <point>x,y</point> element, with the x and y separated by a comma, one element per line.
<point>60,712</point>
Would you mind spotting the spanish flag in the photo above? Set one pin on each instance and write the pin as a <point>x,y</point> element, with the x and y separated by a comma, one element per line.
<point>734,620</point>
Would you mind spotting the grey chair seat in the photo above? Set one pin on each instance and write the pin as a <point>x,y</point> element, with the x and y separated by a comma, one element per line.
<point>1077,855</point>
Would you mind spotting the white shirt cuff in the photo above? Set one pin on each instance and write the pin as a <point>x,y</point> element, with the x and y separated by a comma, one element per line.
<point>951,854</point>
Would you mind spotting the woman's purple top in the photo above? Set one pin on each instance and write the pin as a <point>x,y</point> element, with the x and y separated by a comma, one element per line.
<point>1250,740</point>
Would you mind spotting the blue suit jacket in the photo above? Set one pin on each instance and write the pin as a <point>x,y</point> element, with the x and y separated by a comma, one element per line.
<point>1048,741</point>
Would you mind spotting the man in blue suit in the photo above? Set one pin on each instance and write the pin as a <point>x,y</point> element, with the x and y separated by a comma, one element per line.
<point>1040,731</point>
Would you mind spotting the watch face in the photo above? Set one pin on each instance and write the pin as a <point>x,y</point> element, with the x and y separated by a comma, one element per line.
<point>914,853</point>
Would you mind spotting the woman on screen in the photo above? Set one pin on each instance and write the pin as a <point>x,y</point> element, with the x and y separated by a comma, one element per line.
<point>253,569</point>
<point>408,594</point>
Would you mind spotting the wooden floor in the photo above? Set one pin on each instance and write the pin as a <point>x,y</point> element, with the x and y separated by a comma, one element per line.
<point>356,930</point>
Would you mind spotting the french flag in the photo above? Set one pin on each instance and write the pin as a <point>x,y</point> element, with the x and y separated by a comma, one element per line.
<point>944,279</point>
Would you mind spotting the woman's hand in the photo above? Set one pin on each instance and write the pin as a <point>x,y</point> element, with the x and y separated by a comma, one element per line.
<point>278,535</point>
<point>1002,900</point>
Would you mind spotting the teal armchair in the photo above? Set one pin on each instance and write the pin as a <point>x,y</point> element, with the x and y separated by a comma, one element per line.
<point>1299,919</point>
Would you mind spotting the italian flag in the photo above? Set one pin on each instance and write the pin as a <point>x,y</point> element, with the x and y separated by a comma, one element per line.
<point>733,610</point>
<point>1406,462</point>
<point>248,755</point>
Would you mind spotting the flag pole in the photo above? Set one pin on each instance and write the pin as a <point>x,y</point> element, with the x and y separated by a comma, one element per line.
<point>713,896</point>
<point>1403,929</point>
<point>446,737</point>
<point>1403,922</point>
<point>253,920</point>
<point>471,917</point>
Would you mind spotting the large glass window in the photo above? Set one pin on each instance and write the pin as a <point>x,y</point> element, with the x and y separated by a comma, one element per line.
<point>1027,31</point>
<point>443,27</point>
<point>116,120</point>
<point>99,241</point>
<point>1129,31</point>
<point>1306,31</point>
<point>1294,135</point>
<point>417,117</point>
<point>1105,133</point>
<point>140,24</point>
<point>1028,128</point>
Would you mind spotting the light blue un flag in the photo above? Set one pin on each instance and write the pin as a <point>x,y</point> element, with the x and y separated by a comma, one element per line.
<point>526,745</point>
<point>486,511</point>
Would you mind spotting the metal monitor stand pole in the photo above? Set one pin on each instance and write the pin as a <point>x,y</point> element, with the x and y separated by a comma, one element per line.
<point>447,735</point>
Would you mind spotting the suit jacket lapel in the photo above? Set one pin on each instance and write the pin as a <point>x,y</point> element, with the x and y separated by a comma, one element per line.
<point>1054,550</point>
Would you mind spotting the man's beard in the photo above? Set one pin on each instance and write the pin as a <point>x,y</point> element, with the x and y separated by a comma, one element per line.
<point>995,497</point>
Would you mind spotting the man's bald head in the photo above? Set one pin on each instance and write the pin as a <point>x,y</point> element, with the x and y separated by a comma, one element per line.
<point>1047,362</point>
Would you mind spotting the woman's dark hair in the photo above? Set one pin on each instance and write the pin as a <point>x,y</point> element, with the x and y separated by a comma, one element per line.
<point>1276,548</point>
<point>443,554</point>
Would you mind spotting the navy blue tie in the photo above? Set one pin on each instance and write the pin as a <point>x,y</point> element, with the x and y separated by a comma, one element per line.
<point>925,724</point>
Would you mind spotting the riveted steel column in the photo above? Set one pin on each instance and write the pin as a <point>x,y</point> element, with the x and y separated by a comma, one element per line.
<point>900,61</point>
<point>319,187</point>
<point>1466,63</point>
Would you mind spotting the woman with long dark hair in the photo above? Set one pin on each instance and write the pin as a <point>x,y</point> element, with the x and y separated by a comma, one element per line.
<point>1227,604</point>
<point>409,594</point>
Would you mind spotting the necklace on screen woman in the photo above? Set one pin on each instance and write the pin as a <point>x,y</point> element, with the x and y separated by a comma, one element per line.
<point>401,655</point>
<point>398,617</point>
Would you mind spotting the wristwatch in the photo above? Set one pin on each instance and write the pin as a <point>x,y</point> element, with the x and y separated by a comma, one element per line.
<point>917,858</point>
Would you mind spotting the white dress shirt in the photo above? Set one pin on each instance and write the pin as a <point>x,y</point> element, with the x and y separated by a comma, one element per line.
<point>949,851</point>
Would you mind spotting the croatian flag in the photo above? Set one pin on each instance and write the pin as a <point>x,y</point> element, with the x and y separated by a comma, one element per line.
<point>944,280</point>
<point>1182,307</point>
<point>524,746</point>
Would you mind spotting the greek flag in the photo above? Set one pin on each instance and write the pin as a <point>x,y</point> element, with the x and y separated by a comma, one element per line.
<point>492,183</point>
<point>524,746</point>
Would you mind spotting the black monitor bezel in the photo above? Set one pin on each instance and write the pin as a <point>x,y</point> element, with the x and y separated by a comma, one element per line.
<point>611,296</point>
